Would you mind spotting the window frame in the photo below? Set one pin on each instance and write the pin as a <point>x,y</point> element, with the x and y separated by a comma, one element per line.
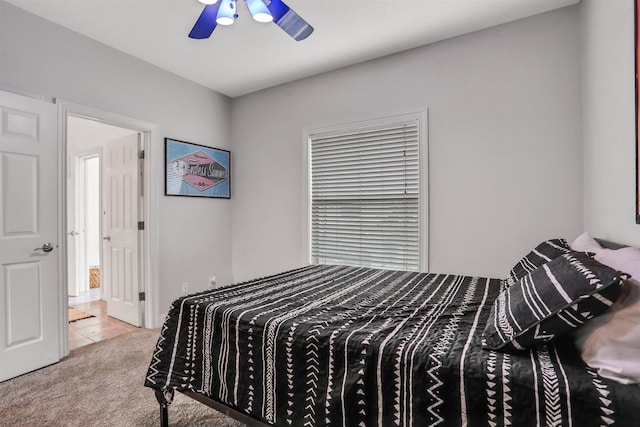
<point>421,116</point>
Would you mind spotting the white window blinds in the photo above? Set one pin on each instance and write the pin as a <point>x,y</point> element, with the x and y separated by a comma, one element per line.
<point>365,196</point>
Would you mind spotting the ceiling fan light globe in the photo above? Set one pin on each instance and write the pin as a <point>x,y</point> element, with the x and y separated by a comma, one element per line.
<point>226,12</point>
<point>225,21</point>
<point>208,2</point>
<point>263,17</point>
<point>259,11</point>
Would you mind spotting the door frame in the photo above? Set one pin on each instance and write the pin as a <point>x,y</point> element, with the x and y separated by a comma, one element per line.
<point>152,178</point>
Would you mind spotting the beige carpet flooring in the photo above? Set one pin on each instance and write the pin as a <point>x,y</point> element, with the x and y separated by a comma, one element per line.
<point>99,385</point>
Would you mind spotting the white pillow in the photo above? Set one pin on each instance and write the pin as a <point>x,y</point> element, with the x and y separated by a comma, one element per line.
<point>626,260</point>
<point>610,342</point>
<point>585,243</point>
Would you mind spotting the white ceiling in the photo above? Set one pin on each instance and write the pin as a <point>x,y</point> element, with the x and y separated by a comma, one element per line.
<point>249,56</point>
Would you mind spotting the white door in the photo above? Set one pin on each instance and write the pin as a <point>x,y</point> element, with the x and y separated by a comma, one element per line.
<point>120,234</point>
<point>90,212</point>
<point>83,217</point>
<point>29,291</point>
<point>75,227</point>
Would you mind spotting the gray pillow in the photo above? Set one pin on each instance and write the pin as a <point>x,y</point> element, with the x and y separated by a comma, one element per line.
<point>554,298</point>
<point>541,254</point>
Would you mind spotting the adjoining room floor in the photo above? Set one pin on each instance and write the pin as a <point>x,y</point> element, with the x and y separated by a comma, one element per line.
<point>94,329</point>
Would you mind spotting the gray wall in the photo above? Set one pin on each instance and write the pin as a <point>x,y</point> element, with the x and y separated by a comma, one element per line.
<point>40,57</point>
<point>609,119</point>
<point>505,154</point>
<point>505,137</point>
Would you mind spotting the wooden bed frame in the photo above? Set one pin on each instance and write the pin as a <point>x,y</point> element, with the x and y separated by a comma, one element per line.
<point>248,419</point>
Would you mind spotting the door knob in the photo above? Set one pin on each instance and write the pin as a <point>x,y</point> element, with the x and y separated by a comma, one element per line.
<point>47,247</point>
<point>108,238</point>
<point>73,233</point>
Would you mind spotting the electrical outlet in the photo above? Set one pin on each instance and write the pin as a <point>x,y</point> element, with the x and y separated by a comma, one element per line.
<point>185,288</point>
<point>212,281</point>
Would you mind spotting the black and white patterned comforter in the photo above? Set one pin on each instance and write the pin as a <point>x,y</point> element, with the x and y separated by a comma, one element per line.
<point>346,346</point>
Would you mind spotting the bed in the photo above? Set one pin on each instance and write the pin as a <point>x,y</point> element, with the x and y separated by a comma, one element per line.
<point>346,346</point>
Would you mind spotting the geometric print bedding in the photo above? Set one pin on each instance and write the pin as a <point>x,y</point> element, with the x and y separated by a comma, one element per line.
<point>344,346</point>
<point>553,299</point>
<point>541,254</point>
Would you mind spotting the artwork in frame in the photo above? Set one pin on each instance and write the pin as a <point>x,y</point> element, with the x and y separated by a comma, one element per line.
<point>637,37</point>
<point>194,170</point>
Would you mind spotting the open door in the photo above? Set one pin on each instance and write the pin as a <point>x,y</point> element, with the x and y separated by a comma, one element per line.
<point>29,291</point>
<point>83,217</point>
<point>121,236</point>
<point>75,229</point>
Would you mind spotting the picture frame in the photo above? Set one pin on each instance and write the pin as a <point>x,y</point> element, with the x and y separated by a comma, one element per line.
<point>637,142</point>
<point>193,170</point>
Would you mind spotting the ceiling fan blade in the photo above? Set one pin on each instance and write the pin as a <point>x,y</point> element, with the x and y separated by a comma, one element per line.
<point>289,21</point>
<point>206,23</point>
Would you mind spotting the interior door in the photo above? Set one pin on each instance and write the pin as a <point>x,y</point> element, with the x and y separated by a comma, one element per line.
<point>29,291</point>
<point>75,228</point>
<point>120,235</point>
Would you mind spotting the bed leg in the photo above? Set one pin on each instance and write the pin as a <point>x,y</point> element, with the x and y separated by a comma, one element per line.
<point>164,408</point>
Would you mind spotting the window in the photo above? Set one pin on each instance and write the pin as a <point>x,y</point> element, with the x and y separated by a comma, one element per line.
<point>366,195</point>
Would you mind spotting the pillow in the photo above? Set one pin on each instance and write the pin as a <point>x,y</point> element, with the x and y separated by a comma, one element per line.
<point>610,343</point>
<point>586,243</point>
<point>624,259</point>
<point>551,300</point>
<point>541,254</point>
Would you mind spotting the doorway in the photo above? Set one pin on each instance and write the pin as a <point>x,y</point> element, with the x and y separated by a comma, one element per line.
<point>150,179</point>
<point>83,223</point>
<point>94,196</point>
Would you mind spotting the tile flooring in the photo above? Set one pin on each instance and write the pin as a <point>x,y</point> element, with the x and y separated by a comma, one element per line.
<point>94,329</point>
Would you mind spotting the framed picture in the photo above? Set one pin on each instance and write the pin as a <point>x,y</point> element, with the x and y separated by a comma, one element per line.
<point>637,30</point>
<point>194,170</point>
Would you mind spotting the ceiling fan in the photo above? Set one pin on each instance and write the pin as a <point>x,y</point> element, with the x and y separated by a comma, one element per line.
<point>224,12</point>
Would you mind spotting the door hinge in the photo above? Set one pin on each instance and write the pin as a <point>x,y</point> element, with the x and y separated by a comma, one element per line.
<point>141,296</point>
<point>140,225</point>
<point>141,154</point>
